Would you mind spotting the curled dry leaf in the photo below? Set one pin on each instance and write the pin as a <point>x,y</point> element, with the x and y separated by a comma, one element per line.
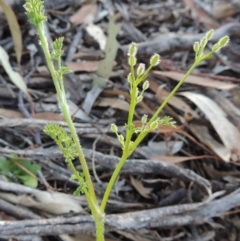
<point>228,133</point>
<point>143,191</point>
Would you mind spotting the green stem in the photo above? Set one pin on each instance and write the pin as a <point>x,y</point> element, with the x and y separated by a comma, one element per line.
<point>65,110</point>
<point>112,181</point>
<point>129,127</point>
<point>155,116</point>
<point>99,224</point>
<point>139,139</point>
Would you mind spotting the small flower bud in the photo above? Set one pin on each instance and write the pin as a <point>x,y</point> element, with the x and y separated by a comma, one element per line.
<point>121,139</point>
<point>209,34</point>
<point>114,128</point>
<point>215,47</point>
<point>144,119</point>
<point>139,98</point>
<point>132,60</point>
<point>146,85</point>
<point>196,46</point>
<point>140,69</point>
<point>153,125</point>
<point>130,78</point>
<point>132,49</point>
<point>203,42</point>
<point>155,59</point>
<point>223,41</point>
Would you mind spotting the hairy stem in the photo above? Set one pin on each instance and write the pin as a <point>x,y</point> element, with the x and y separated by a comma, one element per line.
<point>64,108</point>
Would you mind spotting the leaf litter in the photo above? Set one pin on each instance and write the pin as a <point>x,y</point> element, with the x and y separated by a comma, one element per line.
<point>199,159</point>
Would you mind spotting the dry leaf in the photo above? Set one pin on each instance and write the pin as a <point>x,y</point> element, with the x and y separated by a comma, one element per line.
<point>5,113</point>
<point>143,191</point>
<point>160,148</point>
<point>176,102</point>
<point>178,159</point>
<point>88,66</point>
<point>50,202</point>
<point>76,112</point>
<point>200,15</point>
<point>224,9</point>
<point>83,13</point>
<point>97,33</point>
<point>14,28</point>
<point>197,80</point>
<point>228,133</point>
<point>48,116</point>
<point>115,103</point>
<point>201,132</point>
<point>10,113</point>
<point>14,76</point>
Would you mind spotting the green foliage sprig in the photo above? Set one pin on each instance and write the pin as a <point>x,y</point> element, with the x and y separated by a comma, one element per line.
<point>23,170</point>
<point>70,144</point>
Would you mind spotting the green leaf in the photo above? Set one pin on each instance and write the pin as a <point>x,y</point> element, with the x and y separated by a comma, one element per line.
<point>9,166</point>
<point>14,28</point>
<point>15,77</point>
<point>32,167</point>
<point>28,181</point>
<point>78,191</point>
<point>4,165</point>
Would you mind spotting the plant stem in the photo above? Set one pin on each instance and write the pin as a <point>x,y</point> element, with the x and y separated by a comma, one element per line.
<point>99,224</point>
<point>65,111</point>
<point>112,181</point>
<point>155,116</point>
<point>139,139</point>
<point>129,127</point>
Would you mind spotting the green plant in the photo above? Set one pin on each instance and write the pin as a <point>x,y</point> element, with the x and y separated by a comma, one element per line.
<point>23,170</point>
<point>70,144</point>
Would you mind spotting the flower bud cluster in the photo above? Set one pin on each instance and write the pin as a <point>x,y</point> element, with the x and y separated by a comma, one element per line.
<point>199,47</point>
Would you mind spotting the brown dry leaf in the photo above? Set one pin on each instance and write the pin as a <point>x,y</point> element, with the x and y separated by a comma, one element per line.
<point>218,175</point>
<point>10,113</point>
<point>178,159</point>
<point>48,116</point>
<point>143,191</point>
<point>201,132</point>
<point>43,115</point>
<point>197,80</point>
<point>83,13</point>
<point>228,133</point>
<point>200,15</point>
<point>43,69</point>
<point>88,66</point>
<point>115,103</point>
<point>224,9</point>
